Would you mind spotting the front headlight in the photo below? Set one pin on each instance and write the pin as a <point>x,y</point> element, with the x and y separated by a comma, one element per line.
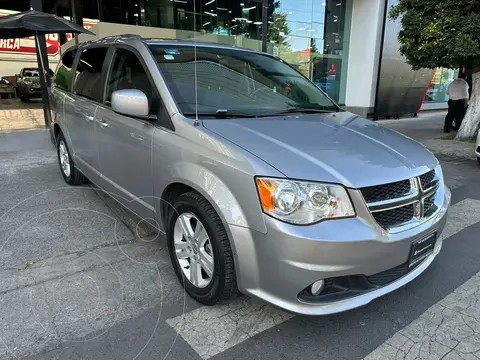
<point>301,202</point>
<point>28,82</point>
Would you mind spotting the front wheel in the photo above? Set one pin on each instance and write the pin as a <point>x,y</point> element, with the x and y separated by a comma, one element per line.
<point>200,250</point>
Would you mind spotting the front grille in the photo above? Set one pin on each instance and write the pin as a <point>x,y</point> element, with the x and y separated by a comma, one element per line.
<point>386,192</point>
<point>394,213</point>
<point>395,217</point>
<point>427,179</point>
<point>429,206</point>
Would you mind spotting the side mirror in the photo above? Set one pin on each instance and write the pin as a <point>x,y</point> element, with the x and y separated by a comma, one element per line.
<point>130,102</point>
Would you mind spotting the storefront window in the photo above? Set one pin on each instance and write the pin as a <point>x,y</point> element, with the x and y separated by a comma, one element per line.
<point>313,40</point>
<point>308,34</point>
<point>438,90</point>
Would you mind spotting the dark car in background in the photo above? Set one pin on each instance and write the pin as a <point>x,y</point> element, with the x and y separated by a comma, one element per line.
<point>28,84</point>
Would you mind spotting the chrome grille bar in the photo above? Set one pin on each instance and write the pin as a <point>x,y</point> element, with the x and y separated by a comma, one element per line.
<point>387,211</point>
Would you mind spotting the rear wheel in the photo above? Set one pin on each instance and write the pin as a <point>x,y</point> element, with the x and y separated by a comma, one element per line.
<point>200,250</point>
<point>478,159</point>
<point>70,173</point>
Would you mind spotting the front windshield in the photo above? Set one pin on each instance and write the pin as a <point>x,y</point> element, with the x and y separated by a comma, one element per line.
<point>234,81</point>
<point>31,73</point>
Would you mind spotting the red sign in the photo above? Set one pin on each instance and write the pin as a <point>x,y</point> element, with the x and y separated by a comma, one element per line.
<point>27,45</point>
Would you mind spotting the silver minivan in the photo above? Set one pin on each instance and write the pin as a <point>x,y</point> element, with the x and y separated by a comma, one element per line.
<point>260,181</point>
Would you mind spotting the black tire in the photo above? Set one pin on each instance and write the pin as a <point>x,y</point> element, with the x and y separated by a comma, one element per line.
<point>478,159</point>
<point>223,284</point>
<point>25,98</point>
<point>75,177</point>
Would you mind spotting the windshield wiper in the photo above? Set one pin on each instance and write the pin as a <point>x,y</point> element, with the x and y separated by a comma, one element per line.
<point>305,110</point>
<point>221,114</point>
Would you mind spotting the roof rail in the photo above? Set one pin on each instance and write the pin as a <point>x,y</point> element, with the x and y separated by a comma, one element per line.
<point>119,36</point>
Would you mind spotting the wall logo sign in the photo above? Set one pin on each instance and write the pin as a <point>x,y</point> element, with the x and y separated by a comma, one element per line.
<point>27,45</point>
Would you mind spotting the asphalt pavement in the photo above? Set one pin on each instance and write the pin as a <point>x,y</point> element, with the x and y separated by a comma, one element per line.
<point>80,278</point>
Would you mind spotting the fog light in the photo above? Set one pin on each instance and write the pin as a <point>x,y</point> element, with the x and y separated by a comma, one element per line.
<point>317,287</point>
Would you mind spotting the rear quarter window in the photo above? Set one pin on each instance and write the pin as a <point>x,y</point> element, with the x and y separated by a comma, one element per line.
<point>64,74</point>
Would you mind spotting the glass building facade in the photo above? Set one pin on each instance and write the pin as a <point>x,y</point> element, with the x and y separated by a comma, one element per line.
<point>311,35</point>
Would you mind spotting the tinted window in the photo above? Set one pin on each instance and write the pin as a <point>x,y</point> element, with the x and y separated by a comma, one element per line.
<point>63,77</point>
<point>128,73</point>
<point>235,80</point>
<point>88,74</point>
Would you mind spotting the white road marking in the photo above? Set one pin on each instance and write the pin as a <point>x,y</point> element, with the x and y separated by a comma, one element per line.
<point>212,330</point>
<point>450,329</point>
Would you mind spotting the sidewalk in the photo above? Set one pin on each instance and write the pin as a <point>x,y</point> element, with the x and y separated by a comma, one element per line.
<point>428,129</point>
<point>17,116</point>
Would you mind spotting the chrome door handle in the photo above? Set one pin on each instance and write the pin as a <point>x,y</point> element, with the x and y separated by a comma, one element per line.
<point>102,123</point>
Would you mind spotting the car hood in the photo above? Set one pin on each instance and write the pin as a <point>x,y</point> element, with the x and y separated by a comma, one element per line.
<point>334,147</point>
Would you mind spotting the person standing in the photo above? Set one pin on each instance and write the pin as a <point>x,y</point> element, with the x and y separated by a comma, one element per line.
<point>457,104</point>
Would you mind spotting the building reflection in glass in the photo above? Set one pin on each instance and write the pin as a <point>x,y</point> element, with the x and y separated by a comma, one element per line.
<point>438,89</point>
<point>308,34</point>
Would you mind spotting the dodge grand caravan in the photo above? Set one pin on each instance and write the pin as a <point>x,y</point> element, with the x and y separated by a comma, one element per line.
<point>260,182</point>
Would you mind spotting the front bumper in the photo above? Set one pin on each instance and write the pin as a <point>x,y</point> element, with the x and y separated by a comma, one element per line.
<point>32,90</point>
<point>279,265</point>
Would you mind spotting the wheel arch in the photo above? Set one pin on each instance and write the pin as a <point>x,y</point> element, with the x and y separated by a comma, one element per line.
<point>182,186</point>
<point>56,130</point>
<point>169,195</point>
<point>224,211</point>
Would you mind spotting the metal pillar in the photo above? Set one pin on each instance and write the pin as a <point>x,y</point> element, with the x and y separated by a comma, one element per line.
<point>264,25</point>
<point>264,22</point>
<point>100,10</point>
<point>42,61</point>
<point>61,37</point>
<point>76,14</point>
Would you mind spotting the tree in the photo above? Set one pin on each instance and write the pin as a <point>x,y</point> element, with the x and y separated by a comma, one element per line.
<point>279,29</point>
<point>443,33</point>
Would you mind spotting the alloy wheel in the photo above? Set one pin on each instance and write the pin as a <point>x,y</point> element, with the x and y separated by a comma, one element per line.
<point>193,250</point>
<point>64,158</point>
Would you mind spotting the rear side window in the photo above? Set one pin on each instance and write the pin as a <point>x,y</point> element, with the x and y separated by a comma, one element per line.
<point>64,75</point>
<point>88,74</point>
